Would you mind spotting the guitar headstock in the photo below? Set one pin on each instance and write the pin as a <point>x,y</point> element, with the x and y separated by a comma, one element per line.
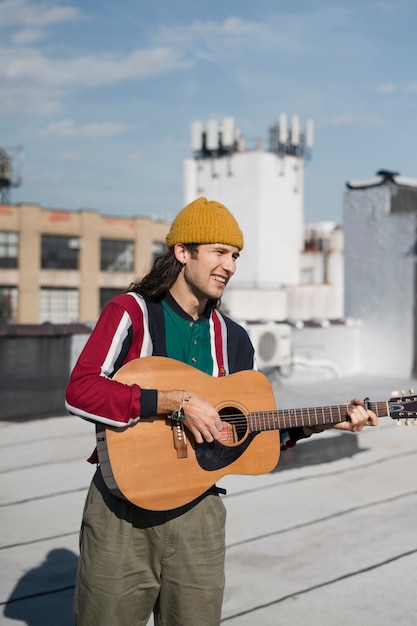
<point>402,407</point>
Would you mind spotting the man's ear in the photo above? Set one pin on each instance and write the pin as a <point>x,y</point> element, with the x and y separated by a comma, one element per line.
<point>180,253</point>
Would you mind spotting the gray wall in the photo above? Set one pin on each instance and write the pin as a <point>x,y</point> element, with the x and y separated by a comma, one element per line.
<point>35,363</point>
<point>379,278</point>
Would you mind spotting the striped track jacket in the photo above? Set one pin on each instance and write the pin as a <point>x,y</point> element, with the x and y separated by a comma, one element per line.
<point>130,327</point>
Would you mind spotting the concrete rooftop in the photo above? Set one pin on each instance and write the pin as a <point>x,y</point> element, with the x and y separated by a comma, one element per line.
<point>327,539</point>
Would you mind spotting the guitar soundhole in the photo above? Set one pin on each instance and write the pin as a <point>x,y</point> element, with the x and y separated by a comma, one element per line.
<point>237,420</point>
<point>218,455</point>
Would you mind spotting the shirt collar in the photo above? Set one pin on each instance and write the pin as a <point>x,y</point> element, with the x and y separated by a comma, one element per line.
<point>173,304</point>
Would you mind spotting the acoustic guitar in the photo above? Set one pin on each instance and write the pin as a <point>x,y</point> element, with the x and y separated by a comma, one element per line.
<point>156,463</point>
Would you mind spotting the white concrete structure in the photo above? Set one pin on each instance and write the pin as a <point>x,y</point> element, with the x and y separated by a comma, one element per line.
<point>278,277</point>
<point>265,193</point>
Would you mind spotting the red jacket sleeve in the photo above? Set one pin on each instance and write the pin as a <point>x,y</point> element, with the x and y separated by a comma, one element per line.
<point>118,337</point>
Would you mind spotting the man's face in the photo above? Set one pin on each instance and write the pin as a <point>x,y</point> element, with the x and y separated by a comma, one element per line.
<point>208,272</point>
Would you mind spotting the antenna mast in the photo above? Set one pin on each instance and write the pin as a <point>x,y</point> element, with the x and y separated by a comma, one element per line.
<point>11,162</point>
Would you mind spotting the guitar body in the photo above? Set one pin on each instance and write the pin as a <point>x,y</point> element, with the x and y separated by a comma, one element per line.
<point>153,466</point>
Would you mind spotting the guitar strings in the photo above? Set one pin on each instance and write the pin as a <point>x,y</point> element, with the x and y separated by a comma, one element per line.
<point>281,418</point>
<point>284,418</point>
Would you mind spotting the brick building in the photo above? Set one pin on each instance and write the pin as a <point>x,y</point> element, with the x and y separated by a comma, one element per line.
<point>63,266</point>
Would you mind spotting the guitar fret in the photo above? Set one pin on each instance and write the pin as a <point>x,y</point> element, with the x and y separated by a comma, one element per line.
<point>327,414</point>
<point>308,417</point>
<point>314,417</point>
<point>340,415</point>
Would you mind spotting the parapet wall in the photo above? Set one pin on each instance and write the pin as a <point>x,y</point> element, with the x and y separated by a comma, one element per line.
<point>35,363</point>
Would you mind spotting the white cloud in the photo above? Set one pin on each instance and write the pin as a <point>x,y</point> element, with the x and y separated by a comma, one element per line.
<point>25,98</point>
<point>71,156</point>
<point>230,27</point>
<point>343,119</point>
<point>135,156</point>
<point>387,88</point>
<point>215,36</point>
<point>34,83</point>
<point>23,13</point>
<point>351,119</point>
<point>27,36</point>
<point>27,64</point>
<point>390,88</point>
<point>44,177</point>
<point>69,130</point>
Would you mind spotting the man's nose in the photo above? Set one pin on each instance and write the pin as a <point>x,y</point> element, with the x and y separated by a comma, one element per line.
<point>229,264</point>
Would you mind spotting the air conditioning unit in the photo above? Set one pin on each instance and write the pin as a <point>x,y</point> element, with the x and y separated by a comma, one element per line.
<point>272,343</point>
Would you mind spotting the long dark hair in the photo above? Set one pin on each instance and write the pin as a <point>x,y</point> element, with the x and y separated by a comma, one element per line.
<point>165,270</point>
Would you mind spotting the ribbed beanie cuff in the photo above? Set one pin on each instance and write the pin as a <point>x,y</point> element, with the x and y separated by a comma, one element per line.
<point>205,221</point>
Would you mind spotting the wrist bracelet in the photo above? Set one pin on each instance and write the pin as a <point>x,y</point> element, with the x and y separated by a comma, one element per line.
<point>179,414</point>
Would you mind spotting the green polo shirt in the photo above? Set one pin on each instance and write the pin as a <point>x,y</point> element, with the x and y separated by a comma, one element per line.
<point>188,340</point>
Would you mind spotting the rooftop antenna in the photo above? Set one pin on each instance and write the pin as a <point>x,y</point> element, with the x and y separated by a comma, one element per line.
<point>11,163</point>
<point>291,139</point>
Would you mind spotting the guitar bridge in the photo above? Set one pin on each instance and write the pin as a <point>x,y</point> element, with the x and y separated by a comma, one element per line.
<point>180,440</point>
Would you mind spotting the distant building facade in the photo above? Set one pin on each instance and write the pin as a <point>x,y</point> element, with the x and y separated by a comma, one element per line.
<point>63,266</point>
<point>380,224</point>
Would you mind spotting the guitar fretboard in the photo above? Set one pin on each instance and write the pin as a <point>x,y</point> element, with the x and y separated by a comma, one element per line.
<point>313,416</point>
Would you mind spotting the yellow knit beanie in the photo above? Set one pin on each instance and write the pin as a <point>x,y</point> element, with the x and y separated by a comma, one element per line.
<point>205,221</point>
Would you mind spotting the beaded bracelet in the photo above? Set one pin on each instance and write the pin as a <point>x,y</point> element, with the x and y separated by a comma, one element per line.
<point>179,414</point>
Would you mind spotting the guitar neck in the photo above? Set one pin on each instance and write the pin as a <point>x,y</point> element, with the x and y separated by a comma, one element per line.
<point>313,416</point>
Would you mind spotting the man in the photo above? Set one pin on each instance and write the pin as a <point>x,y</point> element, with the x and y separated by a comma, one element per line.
<point>135,561</point>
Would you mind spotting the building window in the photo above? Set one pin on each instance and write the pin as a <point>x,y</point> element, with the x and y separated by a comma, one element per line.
<point>59,253</point>
<point>158,249</point>
<point>59,305</point>
<point>116,255</point>
<point>9,244</point>
<point>107,294</point>
<point>8,304</point>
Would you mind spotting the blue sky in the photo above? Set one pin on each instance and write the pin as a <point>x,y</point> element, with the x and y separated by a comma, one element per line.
<point>102,94</point>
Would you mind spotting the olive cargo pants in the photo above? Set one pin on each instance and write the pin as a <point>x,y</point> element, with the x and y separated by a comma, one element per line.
<point>134,562</point>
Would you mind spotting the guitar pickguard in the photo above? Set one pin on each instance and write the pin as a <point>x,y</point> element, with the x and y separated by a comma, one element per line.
<point>215,455</point>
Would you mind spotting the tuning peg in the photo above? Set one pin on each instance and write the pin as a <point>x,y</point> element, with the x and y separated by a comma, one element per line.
<point>411,391</point>
<point>399,423</point>
<point>394,394</point>
<point>406,421</point>
<point>415,422</point>
<point>403,392</point>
